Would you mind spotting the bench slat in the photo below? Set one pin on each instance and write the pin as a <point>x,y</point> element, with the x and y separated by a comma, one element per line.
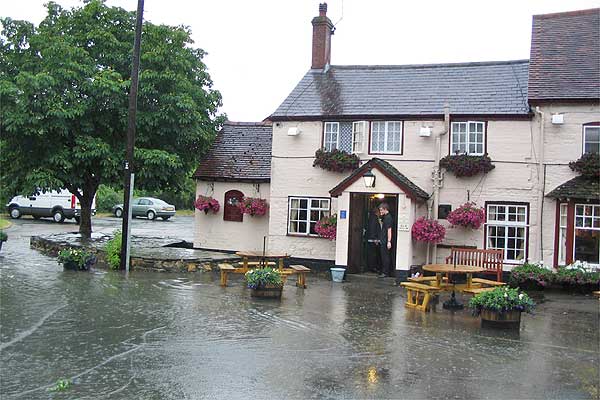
<point>477,290</point>
<point>414,285</point>
<point>300,268</point>
<point>488,282</point>
<point>227,267</point>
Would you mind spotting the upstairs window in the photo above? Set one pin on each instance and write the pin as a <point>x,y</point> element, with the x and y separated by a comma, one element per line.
<point>359,133</point>
<point>591,139</point>
<point>331,136</point>
<point>231,210</point>
<point>386,137</point>
<point>467,138</point>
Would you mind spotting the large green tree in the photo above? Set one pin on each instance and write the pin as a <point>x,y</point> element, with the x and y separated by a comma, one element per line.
<point>64,89</point>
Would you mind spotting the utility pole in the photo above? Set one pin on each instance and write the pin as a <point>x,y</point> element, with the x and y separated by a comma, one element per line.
<point>129,167</point>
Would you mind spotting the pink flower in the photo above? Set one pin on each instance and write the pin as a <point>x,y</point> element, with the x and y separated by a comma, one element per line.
<point>428,230</point>
<point>327,227</point>
<point>206,204</point>
<point>253,206</point>
<point>467,215</point>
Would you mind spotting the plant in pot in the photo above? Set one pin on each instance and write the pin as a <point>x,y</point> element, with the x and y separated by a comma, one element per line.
<point>467,165</point>
<point>253,206</point>
<point>326,227</point>
<point>206,204</point>
<point>3,238</point>
<point>468,215</point>
<point>428,230</point>
<point>531,277</point>
<point>76,259</point>
<point>336,160</point>
<point>264,282</point>
<point>501,307</point>
<point>579,277</point>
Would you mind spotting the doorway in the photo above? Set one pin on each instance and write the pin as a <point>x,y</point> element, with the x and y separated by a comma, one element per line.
<point>361,205</point>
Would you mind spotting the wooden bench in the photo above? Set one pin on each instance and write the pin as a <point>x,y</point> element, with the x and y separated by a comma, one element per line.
<point>477,290</point>
<point>490,260</point>
<point>426,279</point>
<point>301,271</point>
<point>487,282</point>
<point>414,291</point>
<point>225,269</point>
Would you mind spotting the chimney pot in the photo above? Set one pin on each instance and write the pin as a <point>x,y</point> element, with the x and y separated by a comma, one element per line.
<point>322,9</point>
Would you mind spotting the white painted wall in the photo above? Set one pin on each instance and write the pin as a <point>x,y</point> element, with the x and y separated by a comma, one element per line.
<point>212,232</point>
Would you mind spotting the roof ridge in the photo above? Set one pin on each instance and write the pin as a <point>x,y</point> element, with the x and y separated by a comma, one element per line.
<point>240,123</point>
<point>568,13</point>
<point>438,65</point>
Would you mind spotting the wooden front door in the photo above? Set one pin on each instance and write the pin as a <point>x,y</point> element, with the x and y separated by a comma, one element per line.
<point>356,231</point>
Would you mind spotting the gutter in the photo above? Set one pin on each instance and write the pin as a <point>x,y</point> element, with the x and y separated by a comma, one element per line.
<point>541,184</point>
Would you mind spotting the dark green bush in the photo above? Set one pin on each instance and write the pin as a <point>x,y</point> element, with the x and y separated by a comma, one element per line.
<point>107,198</point>
<point>112,249</point>
<point>531,274</point>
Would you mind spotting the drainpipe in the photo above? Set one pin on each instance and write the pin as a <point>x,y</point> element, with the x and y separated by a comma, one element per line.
<point>436,175</point>
<point>541,184</point>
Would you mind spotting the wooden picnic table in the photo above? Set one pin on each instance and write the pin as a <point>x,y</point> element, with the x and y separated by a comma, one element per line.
<point>441,269</point>
<point>248,255</point>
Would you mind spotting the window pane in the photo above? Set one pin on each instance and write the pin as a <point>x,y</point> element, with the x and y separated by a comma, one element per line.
<point>302,227</point>
<point>591,139</point>
<point>587,245</point>
<point>304,203</point>
<point>312,228</point>
<point>325,204</point>
<point>293,227</point>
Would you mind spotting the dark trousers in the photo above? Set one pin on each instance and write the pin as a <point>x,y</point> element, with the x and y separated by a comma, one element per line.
<point>373,257</point>
<point>386,260</point>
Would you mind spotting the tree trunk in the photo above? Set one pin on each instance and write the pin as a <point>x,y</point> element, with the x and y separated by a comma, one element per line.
<point>86,201</point>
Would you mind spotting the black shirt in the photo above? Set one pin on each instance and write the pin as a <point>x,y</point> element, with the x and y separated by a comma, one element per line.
<point>386,222</point>
<point>373,227</point>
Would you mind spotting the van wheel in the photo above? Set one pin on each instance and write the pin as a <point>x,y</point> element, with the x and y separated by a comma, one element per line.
<point>58,216</point>
<point>77,219</point>
<point>15,213</point>
<point>151,215</point>
<point>118,213</point>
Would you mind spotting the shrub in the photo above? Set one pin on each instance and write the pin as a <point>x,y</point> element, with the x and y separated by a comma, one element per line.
<point>588,165</point>
<point>327,227</point>
<point>336,160</point>
<point>467,215</point>
<point>206,204</point>
<point>501,299</point>
<point>527,274</point>
<point>78,259</point>
<point>428,230</point>
<point>107,198</point>
<point>467,165</point>
<point>253,206</point>
<point>262,277</point>
<point>3,236</point>
<point>112,249</point>
<point>577,274</point>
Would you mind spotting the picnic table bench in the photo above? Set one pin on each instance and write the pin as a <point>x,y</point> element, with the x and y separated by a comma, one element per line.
<point>418,295</point>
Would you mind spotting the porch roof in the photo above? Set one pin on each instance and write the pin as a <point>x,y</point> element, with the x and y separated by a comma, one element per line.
<point>410,188</point>
<point>577,188</point>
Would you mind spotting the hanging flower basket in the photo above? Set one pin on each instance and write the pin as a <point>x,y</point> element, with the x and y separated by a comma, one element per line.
<point>428,230</point>
<point>466,165</point>
<point>206,204</point>
<point>253,206</point>
<point>468,215</point>
<point>336,160</point>
<point>588,165</point>
<point>327,227</point>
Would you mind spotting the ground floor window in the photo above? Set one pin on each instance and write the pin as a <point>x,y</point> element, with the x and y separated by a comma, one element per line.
<point>305,212</point>
<point>506,230</point>
<point>578,233</point>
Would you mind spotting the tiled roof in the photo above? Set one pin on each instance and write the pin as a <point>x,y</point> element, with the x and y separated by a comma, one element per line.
<point>470,88</point>
<point>577,188</point>
<point>241,152</point>
<point>408,186</point>
<point>565,56</point>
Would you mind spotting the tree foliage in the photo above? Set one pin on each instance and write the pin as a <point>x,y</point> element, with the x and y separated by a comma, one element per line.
<point>64,89</point>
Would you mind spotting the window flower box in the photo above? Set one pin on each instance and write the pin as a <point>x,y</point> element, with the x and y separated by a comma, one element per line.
<point>468,215</point>
<point>428,230</point>
<point>253,206</point>
<point>336,160</point>
<point>464,165</point>
<point>206,204</point>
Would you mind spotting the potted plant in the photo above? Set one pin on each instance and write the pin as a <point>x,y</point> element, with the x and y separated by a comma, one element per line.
<point>531,277</point>
<point>336,160</point>
<point>467,165</point>
<point>206,204</point>
<point>501,307</point>
<point>253,206</point>
<point>265,282</point>
<point>579,277</point>
<point>76,259</point>
<point>428,230</point>
<point>468,215</point>
<point>3,238</point>
<point>326,227</point>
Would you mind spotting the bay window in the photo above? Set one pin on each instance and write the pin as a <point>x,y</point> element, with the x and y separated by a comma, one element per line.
<point>586,244</point>
<point>305,212</point>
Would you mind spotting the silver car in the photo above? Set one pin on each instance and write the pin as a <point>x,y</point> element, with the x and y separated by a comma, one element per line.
<point>147,207</point>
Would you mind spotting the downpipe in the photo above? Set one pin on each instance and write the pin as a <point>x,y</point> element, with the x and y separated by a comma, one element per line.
<point>541,185</point>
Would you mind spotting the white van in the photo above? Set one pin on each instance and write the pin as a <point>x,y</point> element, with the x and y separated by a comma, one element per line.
<point>58,205</point>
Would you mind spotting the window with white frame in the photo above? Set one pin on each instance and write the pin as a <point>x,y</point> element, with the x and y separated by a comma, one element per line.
<point>386,137</point>
<point>587,233</point>
<point>506,229</point>
<point>359,133</point>
<point>562,235</point>
<point>305,212</point>
<point>591,139</point>
<point>331,136</point>
<point>467,138</point>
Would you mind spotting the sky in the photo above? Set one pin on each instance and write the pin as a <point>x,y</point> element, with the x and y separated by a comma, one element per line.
<point>259,50</point>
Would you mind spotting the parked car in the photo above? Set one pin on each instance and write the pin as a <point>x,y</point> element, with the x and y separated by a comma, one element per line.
<point>147,207</point>
<point>56,204</point>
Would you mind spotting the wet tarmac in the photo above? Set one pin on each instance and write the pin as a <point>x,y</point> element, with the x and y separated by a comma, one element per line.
<point>181,336</point>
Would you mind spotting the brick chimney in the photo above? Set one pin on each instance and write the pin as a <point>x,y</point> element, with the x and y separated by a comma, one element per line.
<point>321,42</point>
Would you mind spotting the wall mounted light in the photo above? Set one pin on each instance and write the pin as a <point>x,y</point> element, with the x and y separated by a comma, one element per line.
<point>369,178</point>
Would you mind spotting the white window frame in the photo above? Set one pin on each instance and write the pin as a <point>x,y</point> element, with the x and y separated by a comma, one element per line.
<point>386,137</point>
<point>330,144</point>
<point>359,133</point>
<point>583,218</point>
<point>562,233</point>
<point>324,211</point>
<point>506,223</point>
<point>467,138</point>
<point>585,128</point>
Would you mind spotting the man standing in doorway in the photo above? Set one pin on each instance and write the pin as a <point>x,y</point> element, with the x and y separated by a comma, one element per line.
<point>386,240</point>
<point>373,239</point>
